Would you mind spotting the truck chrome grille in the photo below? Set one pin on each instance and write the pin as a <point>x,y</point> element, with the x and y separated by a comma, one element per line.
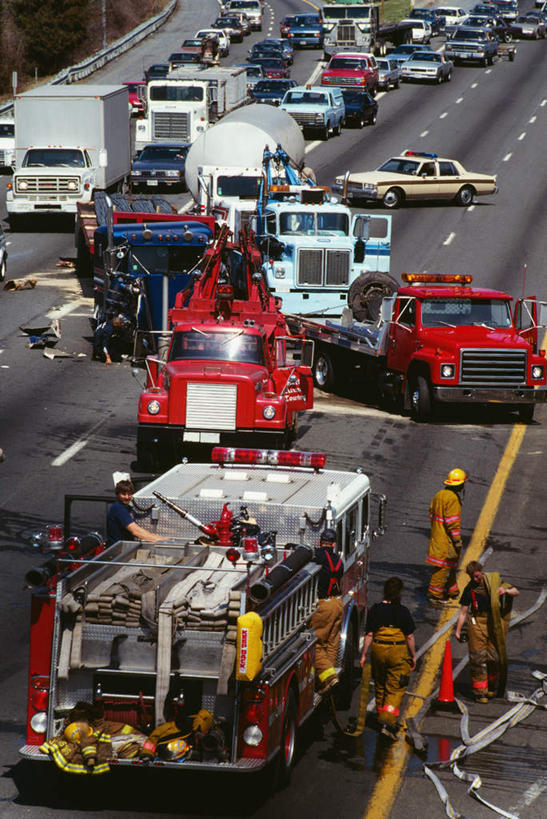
<point>211,406</point>
<point>337,267</point>
<point>333,80</point>
<point>310,267</point>
<point>171,126</point>
<point>303,118</point>
<point>493,367</point>
<point>345,34</point>
<point>315,268</point>
<point>49,184</point>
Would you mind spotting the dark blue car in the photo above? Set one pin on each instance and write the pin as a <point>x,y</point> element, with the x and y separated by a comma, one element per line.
<point>159,165</point>
<point>306,30</point>
<point>271,92</point>
<point>361,108</point>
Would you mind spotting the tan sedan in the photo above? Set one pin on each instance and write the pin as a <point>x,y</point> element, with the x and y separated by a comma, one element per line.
<point>414,176</point>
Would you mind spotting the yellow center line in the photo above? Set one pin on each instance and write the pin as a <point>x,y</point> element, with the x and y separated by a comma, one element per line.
<point>311,4</point>
<point>387,787</point>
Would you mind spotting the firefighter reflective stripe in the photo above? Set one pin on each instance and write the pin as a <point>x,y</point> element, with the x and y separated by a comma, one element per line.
<point>448,562</point>
<point>334,570</point>
<point>328,672</point>
<point>390,669</point>
<point>249,646</point>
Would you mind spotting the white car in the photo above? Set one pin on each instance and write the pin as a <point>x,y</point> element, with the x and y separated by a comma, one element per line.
<point>453,15</point>
<point>222,37</point>
<point>252,8</point>
<point>421,30</point>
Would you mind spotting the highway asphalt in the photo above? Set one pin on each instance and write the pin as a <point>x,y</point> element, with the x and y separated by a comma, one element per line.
<point>67,424</point>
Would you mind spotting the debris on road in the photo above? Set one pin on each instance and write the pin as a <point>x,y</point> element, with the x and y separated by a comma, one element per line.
<point>27,284</point>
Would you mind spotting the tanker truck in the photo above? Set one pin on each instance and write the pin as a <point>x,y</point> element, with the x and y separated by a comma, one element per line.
<point>226,165</point>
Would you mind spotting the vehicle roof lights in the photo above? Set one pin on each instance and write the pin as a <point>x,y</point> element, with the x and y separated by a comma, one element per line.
<point>420,153</point>
<point>269,457</point>
<point>437,278</point>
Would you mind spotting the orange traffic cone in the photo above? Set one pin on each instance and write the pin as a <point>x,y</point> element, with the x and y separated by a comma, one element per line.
<point>446,700</point>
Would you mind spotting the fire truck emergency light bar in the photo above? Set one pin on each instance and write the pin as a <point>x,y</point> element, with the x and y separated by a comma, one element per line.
<point>439,278</point>
<point>271,457</point>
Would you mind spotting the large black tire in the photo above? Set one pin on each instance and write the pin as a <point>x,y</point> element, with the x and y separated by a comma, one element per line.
<point>288,743</point>
<point>323,371</point>
<point>344,690</point>
<point>421,399</point>
<point>465,195</point>
<point>393,198</point>
<point>366,294</point>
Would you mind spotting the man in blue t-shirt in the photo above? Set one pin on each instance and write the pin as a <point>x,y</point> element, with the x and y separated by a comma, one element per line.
<point>120,520</point>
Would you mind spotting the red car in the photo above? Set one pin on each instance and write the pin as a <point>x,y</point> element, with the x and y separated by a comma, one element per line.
<point>273,67</point>
<point>137,91</point>
<point>352,71</point>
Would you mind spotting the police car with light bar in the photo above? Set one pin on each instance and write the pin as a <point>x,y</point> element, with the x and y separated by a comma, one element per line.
<point>413,176</point>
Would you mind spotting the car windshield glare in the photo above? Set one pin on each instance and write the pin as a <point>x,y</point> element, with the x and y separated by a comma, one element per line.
<point>192,345</point>
<point>404,166</point>
<point>462,312</point>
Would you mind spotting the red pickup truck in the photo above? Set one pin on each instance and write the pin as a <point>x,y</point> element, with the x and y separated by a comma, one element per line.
<point>350,70</point>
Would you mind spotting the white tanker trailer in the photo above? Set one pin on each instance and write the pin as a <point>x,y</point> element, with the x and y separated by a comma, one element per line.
<point>224,166</point>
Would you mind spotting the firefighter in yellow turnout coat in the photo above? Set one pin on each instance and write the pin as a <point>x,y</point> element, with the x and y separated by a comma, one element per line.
<point>390,632</point>
<point>486,604</point>
<point>326,620</point>
<point>445,542</point>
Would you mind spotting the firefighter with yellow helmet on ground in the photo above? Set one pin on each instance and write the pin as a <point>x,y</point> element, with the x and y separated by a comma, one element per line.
<point>445,542</point>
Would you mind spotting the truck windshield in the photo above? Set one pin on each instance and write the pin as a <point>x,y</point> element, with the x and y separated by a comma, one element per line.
<point>176,93</point>
<point>163,259</point>
<point>313,224</point>
<point>244,187</point>
<point>53,158</point>
<point>353,13</point>
<point>192,345</point>
<point>7,129</point>
<point>348,64</point>
<point>307,97</point>
<point>466,313</point>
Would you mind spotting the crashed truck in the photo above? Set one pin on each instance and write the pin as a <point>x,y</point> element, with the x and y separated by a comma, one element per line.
<point>216,615</point>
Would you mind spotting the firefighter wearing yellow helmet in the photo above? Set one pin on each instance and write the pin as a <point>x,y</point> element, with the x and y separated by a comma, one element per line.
<point>445,542</point>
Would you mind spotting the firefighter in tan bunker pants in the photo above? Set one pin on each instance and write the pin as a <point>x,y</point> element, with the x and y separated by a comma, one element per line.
<point>390,630</point>
<point>326,620</point>
<point>445,542</point>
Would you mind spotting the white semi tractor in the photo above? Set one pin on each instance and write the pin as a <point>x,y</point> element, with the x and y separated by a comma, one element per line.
<point>70,141</point>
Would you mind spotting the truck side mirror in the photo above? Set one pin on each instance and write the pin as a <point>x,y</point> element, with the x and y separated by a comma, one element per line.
<point>359,252</point>
<point>382,503</point>
<point>103,158</point>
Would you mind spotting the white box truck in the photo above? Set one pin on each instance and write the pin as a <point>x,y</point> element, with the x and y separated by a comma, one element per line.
<point>188,101</point>
<point>7,143</point>
<point>69,142</point>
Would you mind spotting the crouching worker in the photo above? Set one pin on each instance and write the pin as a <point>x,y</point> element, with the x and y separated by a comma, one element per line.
<point>390,630</point>
<point>326,620</point>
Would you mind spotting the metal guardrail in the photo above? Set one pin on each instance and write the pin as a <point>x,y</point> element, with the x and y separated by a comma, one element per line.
<point>101,58</point>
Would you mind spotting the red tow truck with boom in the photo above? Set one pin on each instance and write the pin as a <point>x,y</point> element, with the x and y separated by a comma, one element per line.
<point>434,341</point>
<point>222,623</point>
<point>233,372</point>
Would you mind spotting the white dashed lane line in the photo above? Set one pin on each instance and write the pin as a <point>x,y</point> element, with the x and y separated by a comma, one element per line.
<point>424,133</point>
<point>532,119</point>
<point>443,115</point>
<point>449,239</point>
<point>311,145</point>
<point>507,157</point>
<point>521,137</point>
<point>470,208</point>
<point>474,84</point>
<point>460,99</point>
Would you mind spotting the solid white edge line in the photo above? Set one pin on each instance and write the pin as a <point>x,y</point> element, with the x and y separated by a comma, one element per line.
<point>59,312</point>
<point>69,453</point>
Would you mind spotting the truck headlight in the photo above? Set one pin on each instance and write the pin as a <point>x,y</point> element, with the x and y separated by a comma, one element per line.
<point>279,272</point>
<point>153,407</point>
<point>141,127</point>
<point>136,173</point>
<point>72,185</point>
<point>319,118</point>
<point>268,412</point>
<point>172,173</point>
<point>252,735</point>
<point>447,370</point>
<point>538,372</point>
<point>22,185</point>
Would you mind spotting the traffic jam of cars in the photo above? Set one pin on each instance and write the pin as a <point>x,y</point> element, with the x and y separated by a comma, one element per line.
<point>344,94</point>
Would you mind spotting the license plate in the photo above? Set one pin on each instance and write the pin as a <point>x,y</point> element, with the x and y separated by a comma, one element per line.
<point>152,182</point>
